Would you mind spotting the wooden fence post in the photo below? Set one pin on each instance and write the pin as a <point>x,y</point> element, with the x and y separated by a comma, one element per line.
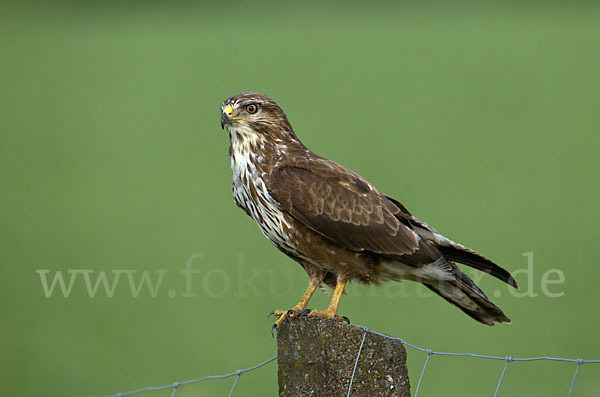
<point>317,358</point>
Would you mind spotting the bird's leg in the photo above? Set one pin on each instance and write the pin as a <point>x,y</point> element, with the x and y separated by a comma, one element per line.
<point>313,283</point>
<point>331,310</point>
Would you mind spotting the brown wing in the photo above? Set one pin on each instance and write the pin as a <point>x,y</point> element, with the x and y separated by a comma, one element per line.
<point>340,205</point>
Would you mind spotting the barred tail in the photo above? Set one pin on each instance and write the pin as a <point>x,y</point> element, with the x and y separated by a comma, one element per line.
<point>469,298</point>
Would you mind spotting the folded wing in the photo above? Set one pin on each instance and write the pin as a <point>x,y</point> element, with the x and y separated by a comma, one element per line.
<point>343,207</point>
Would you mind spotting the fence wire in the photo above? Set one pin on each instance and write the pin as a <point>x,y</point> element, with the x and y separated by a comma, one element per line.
<point>175,386</point>
<point>507,359</point>
<point>429,353</point>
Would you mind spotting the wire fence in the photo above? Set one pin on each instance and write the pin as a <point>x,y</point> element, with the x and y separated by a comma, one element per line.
<point>176,385</point>
<point>429,353</point>
<point>506,359</point>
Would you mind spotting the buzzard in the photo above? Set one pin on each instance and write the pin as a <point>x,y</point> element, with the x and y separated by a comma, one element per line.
<point>335,223</point>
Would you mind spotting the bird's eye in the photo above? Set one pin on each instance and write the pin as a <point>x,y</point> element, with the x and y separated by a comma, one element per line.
<point>252,108</point>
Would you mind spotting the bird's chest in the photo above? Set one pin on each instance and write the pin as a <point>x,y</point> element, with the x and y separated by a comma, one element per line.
<point>250,193</point>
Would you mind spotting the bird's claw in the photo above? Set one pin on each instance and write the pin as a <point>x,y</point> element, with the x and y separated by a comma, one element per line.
<point>304,313</point>
<point>283,315</point>
<point>277,313</point>
<point>342,318</point>
<point>288,314</point>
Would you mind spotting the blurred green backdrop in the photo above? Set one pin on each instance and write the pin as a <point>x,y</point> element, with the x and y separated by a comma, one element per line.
<point>482,118</point>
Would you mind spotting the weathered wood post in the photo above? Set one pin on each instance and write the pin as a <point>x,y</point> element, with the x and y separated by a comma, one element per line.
<point>317,357</point>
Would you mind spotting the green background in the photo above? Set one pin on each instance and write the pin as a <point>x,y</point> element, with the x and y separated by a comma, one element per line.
<point>482,118</point>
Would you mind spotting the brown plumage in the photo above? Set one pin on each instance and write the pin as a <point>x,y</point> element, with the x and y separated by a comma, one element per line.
<point>335,223</point>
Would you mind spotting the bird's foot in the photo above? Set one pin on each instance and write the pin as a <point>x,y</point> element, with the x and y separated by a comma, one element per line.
<point>283,315</point>
<point>327,314</point>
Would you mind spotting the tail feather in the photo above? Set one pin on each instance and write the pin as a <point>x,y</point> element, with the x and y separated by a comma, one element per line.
<point>458,253</point>
<point>468,297</point>
<point>471,258</point>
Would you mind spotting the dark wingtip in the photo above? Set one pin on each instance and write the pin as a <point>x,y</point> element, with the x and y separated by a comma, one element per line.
<point>512,282</point>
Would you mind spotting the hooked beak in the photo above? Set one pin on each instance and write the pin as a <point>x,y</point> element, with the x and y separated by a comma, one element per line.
<point>226,116</point>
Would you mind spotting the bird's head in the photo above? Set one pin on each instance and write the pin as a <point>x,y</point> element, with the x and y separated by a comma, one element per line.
<point>254,116</point>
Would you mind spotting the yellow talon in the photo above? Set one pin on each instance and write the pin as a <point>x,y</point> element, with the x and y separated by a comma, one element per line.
<point>313,283</point>
<point>329,313</point>
<point>280,320</point>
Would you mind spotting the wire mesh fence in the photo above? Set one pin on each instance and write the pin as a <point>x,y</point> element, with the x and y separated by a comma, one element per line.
<point>176,385</point>
<point>507,359</point>
<point>429,353</point>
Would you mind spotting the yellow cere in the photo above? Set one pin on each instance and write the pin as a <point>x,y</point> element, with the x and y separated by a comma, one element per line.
<point>228,111</point>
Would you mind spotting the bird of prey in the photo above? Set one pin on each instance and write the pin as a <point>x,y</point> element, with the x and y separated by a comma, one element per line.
<point>336,224</point>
